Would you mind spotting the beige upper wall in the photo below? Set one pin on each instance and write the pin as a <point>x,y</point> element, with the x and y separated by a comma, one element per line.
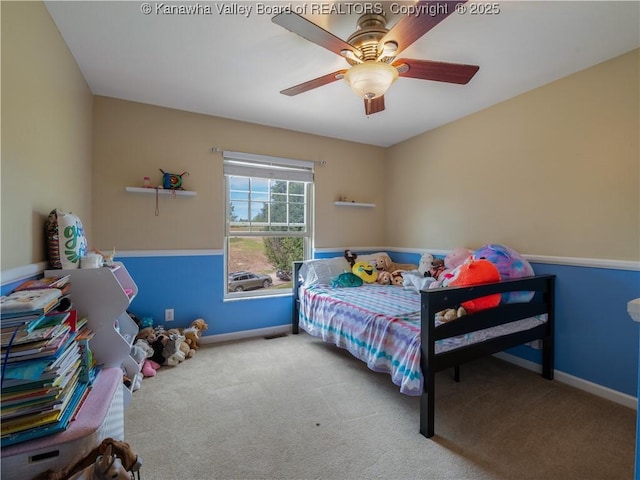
<point>46,132</point>
<point>133,140</point>
<point>560,163</point>
<point>552,172</point>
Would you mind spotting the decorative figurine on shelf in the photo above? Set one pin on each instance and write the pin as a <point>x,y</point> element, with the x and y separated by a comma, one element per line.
<point>172,181</point>
<point>107,258</point>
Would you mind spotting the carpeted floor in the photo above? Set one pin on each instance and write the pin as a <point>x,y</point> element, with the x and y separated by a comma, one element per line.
<point>296,408</point>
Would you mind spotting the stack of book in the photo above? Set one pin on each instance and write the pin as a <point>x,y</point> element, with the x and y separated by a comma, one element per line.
<point>46,364</point>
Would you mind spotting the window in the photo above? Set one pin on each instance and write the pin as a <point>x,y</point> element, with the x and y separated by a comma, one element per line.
<point>268,221</point>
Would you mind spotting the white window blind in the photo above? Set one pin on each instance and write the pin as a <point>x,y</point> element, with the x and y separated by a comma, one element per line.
<point>264,166</point>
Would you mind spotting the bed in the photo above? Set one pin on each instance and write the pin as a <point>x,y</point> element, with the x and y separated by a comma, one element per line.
<point>394,330</point>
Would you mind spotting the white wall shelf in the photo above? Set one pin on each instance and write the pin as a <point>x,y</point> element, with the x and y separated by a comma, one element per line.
<point>161,191</point>
<point>354,204</point>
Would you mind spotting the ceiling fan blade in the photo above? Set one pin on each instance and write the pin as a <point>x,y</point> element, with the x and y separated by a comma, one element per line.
<point>411,27</point>
<point>437,71</point>
<point>315,83</point>
<point>374,105</point>
<point>312,32</point>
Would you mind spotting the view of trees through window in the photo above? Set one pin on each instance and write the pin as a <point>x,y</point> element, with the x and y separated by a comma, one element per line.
<point>267,229</point>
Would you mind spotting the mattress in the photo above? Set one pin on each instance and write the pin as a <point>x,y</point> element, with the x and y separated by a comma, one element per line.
<point>380,325</point>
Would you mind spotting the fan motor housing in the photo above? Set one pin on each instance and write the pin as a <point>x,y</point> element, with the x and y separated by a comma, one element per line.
<point>372,27</point>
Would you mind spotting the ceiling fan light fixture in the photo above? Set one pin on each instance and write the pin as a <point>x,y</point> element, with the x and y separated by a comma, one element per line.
<point>370,79</point>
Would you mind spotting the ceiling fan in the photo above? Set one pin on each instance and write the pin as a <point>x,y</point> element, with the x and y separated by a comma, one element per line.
<point>372,50</point>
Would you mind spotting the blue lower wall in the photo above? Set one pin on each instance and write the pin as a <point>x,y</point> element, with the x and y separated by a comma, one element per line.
<point>193,286</point>
<point>595,338</point>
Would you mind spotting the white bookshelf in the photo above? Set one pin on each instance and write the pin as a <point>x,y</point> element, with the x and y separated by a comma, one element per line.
<point>103,296</point>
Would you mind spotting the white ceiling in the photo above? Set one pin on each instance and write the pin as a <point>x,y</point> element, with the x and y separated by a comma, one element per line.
<point>234,66</point>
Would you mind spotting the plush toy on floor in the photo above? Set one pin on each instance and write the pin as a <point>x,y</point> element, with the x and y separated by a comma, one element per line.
<point>186,350</point>
<point>194,333</point>
<point>172,353</point>
<point>155,341</point>
<point>148,366</point>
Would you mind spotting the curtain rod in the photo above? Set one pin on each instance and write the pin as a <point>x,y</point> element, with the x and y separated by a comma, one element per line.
<point>318,162</point>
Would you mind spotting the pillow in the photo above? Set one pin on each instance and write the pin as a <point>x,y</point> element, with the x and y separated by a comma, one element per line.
<point>66,242</point>
<point>323,270</point>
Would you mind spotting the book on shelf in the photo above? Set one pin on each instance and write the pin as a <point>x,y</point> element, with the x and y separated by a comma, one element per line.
<point>28,302</point>
<point>45,350</point>
<point>44,328</point>
<point>44,282</point>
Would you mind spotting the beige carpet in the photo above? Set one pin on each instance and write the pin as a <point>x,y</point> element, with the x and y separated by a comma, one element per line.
<point>295,408</point>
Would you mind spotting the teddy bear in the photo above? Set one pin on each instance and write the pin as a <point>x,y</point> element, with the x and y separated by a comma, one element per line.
<point>193,333</point>
<point>186,350</point>
<point>450,314</point>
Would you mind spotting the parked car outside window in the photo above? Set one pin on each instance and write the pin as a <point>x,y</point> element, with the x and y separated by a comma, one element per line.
<point>241,281</point>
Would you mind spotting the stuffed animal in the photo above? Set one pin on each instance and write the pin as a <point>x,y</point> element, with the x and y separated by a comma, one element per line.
<point>122,450</point>
<point>193,333</point>
<point>452,260</point>
<point>139,352</point>
<point>384,263</point>
<point>147,334</point>
<point>475,272</point>
<point>450,314</point>
<point>365,271</point>
<point>413,280</point>
<point>384,277</point>
<point>426,261</point>
<point>149,367</point>
<point>437,267</point>
<point>351,257</point>
<point>186,350</point>
<point>156,341</point>
<point>346,280</point>
<point>511,265</point>
<point>107,465</point>
<point>171,353</point>
<point>397,279</point>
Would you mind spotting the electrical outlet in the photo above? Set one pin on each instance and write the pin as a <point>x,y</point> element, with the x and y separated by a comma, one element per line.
<point>168,315</point>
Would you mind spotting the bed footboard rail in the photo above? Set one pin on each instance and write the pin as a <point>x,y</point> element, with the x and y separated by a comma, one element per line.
<point>433,301</point>
<point>295,307</point>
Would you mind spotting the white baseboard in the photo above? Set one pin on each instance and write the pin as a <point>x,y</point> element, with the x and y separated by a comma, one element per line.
<point>258,332</point>
<point>579,383</point>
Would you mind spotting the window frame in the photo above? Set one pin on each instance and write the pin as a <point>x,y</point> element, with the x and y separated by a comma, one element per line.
<point>271,168</point>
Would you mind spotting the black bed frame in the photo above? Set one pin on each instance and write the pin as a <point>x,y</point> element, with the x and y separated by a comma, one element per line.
<point>439,299</point>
